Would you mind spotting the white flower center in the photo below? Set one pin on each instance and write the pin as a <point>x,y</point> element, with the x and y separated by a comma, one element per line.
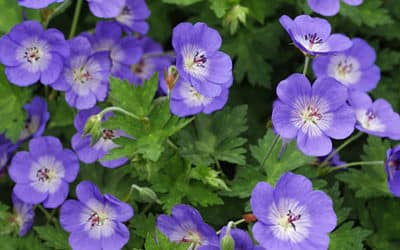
<point>81,75</point>
<point>312,42</point>
<point>345,69</point>
<point>195,61</point>
<point>291,221</point>
<point>98,219</point>
<point>369,120</point>
<point>126,16</point>
<point>46,174</point>
<point>311,115</point>
<point>34,53</point>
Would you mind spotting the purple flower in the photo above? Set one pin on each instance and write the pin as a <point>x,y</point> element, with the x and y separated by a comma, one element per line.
<point>37,4</point>
<point>329,7</point>
<point>6,150</point>
<point>24,215</point>
<point>43,173</point>
<point>83,147</point>
<point>392,167</point>
<point>241,238</point>
<point>38,116</point>
<point>187,225</point>
<point>292,215</point>
<point>355,68</point>
<point>150,63</point>
<point>312,115</point>
<point>312,35</point>
<point>95,221</point>
<point>186,100</point>
<point>123,52</point>
<point>30,54</point>
<point>133,16</point>
<point>375,118</point>
<point>85,76</point>
<point>106,8</point>
<point>198,59</point>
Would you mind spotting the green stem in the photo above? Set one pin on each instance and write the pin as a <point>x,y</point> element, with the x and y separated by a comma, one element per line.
<point>48,216</point>
<point>235,224</point>
<point>269,152</point>
<point>123,111</point>
<point>75,18</point>
<point>344,144</point>
<point>172,144</point>
<point>358,163</point>
<point>60,9</point>
<point>306,64</point>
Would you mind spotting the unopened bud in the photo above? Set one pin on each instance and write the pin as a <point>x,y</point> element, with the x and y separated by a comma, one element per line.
<point>227,242</point>
<point>171,76</point>
<point>93,128</point>
<point>146,194</point>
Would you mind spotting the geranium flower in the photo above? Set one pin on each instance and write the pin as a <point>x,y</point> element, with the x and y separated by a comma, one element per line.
<point>354,68</point>
<point>89,152</point>
<point>43,173</point>
<point>292,215</point>
<point>392,167</point>
<point>6,150</point>
<point>199,60</point>
<point>106,8</point>
<point>123,51</point>
<point>330,7</point>
<point>95,221</point>
<point>30,54</point>
<point>38,116</point>
<point>312,115</point>
<point>187,225</point>
<point>375,118</point>
<point>186,100</point>
<point>133,16</point>
<point>85,76</point>
<point>312,35</point>
<point>23,215</point>
<point>37,4</point>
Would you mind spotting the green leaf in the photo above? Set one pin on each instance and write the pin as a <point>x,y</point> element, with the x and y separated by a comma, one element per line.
<point>12,101</point>
<point>208,176</point>
<point>245,180</point>
<point>149,135</point>
<point>135,99</point>
<point>162,242</point>
<point>370,13</point>
<point>215,137</point>
<point>341,212</point>
<point>274,166</point>
<point>181,2</point>
<point>61,113</point>
<point>55,238</point>
<point>370,181</point>
<point>143,225</point>
<point>219,7</point>
<point>347,237</point>
<point>12,11</point>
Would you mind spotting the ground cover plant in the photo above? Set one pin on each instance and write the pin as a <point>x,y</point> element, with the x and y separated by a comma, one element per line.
<point>199,124</point>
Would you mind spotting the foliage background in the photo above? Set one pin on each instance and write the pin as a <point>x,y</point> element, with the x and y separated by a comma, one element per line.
<point>214,162</point>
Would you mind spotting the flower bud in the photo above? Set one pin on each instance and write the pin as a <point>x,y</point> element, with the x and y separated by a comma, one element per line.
<point>93,128</point>
<point>227,242</point>
<point>171,76</point>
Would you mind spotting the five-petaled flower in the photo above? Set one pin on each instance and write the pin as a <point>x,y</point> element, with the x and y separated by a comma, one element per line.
<point>30,54</point>
<point>85,76</point>
<point>95,221</point>
<point>376,118</point>
<point>198,59</point>
<point>187,225</point>
<point>312,115</point>
<point>43,174</point>
<point>292,215</point>
<point>312,35</point>
<point>354,68</point>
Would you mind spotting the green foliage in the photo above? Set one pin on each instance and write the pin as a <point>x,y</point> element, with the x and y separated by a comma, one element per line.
<point>152,126</point>
<point>276,165</point>
<point>12,11</point>
<point>370,180</point>
<point>215,137</point>
<point>54,238</point>
<point>162,242</point>
<point>347,237</point>
<point>12,101</point>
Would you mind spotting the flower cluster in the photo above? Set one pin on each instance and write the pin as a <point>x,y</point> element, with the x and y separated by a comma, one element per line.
<point>292,215</point>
